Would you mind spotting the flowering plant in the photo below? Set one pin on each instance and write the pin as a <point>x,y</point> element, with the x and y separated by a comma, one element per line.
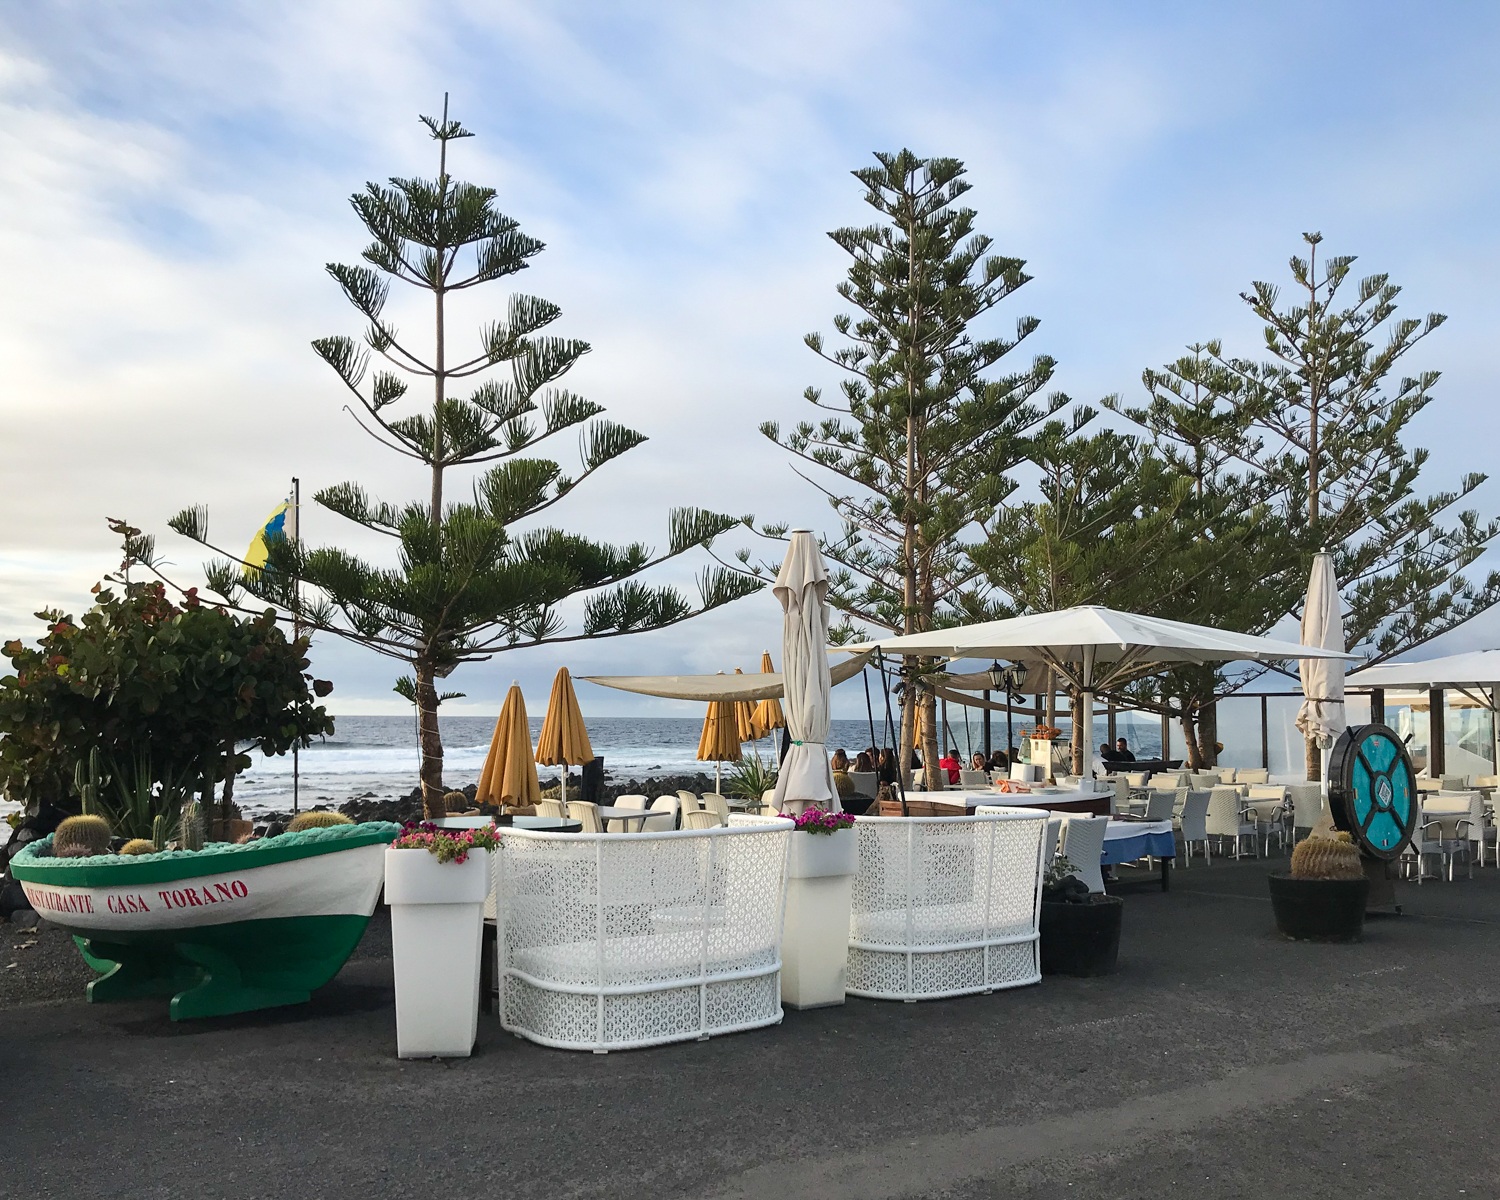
<point>817,820</point>
<point>450,845</point>
<point>1044,732</point>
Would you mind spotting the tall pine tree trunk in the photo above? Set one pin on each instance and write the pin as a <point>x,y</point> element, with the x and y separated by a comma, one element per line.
<point>1192,748</point>
<point>431,742</point>
<point>933,777</point>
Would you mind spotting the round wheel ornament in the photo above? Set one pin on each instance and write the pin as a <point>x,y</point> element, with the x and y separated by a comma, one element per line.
<point>1372,790</point>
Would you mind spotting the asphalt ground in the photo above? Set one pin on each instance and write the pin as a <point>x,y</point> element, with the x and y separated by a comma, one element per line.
<point>1220,1061</point>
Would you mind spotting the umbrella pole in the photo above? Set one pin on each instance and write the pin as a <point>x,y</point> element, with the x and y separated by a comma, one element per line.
<point>564,793</point>
<point>890,725</point>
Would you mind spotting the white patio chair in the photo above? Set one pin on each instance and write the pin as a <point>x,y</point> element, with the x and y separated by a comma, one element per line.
<point>702,818</point>
<point>1226,775</point>
<point>1120,799</point>
<point>1136,779</point>
<point>1265,805</point>
<point>866,783</point>
<point>1192,824</point>
<point>1226,818</point>
<point>1051,838</point>
<point>716,804</point>
<point>1168,780</point>
<point>768,802</point>
<point>1202,781</point>
<point>1161,805</point>
<point>617,825</point>
<point>666,809</point>
<point>1252,775</point>
<point>550,808</point>
<point>973,779</point>
<point>1478,831</point>
<point>1307,807</point>
<point>1453,783</point>
<point>1446,837</point>
<point>587,814</point>
<point>1083,846</point>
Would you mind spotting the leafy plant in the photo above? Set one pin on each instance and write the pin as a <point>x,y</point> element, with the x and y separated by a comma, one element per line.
<point>750,778</point>
<point>1058,869</point>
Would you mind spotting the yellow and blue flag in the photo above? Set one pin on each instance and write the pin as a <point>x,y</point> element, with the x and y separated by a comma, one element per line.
<point>282,523</point>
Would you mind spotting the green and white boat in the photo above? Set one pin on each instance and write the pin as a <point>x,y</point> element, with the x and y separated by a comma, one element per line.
<point>225,929</point>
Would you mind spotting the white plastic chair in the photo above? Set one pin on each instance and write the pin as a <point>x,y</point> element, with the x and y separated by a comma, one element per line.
<point>702,818</point>
<point>1226,775</point>
<point>973,779</point>
<point>1266,807</point>
<point>1192,824</point>
<point>617,825</point>
<point>1447,837</point>
<point>666,808</point>
<point>768,803</point>
<point>1453,783</point>
<point>1083,846</point>
<point>1202,781</point>
<point>1226,817</point>
<point>1478,832</point>
<point>1252,775</point>
<point>1168,780</point>
<point>716,804</point>
<point>587,814</point>
<point>550,808</point>
<point>689,800</point>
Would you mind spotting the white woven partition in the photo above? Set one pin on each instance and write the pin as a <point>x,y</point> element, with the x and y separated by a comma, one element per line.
<point>614,941</point>
<point>944,906</point>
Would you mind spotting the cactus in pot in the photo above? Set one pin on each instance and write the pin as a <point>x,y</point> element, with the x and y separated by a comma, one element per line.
<point>317,820</point>
<point>190,827</point>
<point>1320,857</point>
<point>88,779</point>
<point>80,837</point>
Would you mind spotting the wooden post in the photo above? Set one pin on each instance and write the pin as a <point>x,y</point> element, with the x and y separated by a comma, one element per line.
<point>1166,738</point>
<point>1265,734</point>
<point>1436,750</point>
<point>1109,723</point>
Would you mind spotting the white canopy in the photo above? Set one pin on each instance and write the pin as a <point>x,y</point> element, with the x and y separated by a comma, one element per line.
<point>1476,668</point>
<point>1093,647</point>
<point>764,685</point>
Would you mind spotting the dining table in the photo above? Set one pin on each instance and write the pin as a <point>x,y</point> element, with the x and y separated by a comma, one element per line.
<point>1127,840</point>
<point>958,802</point>
<point>614,813</point>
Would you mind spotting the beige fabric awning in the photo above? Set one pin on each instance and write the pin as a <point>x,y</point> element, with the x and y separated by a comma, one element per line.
<point>764,686</point>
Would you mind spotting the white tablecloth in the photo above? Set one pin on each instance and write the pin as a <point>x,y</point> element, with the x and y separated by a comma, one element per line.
<point>972,800</point>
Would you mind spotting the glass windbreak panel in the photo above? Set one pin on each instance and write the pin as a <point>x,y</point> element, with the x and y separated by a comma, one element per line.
<point>1406,713</point>
<point>1468,735</point>
<point>1141,731</point>
<point>1239,731</point>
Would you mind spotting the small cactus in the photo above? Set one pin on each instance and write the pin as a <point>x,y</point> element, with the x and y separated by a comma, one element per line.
<point>80,837</point>
<point>1335,857</point>
<point>139,846</point>
<point>190,827</point>
<point>317,820</point>
<point>456,802</point>
<point>161,833</point>
<point>87,780</point>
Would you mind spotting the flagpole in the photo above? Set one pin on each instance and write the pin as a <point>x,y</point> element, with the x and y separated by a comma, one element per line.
<point>297,628</point>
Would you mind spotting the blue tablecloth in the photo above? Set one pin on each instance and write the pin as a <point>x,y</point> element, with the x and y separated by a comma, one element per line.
<point>1128,849</point>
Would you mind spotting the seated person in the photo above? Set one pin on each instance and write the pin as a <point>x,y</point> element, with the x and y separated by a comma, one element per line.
<point>841,780</point>
<point>1122,751</point>
<point>999,761</point>
<point>951,763</point>
<point>978,763</point>
<point>865,762</point>
<point>886,767</point>
<point>1107,753</point>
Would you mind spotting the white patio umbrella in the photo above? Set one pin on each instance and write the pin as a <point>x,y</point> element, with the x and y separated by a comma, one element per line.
<point>1321,717</point>
<point>1092,647</point>
<point>1475,674</point>
<point>802,587</point>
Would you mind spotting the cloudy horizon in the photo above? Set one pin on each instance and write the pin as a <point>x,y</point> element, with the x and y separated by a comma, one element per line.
<point>175,176</point>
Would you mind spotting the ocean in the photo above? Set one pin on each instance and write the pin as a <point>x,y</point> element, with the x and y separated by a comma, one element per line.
<point>379,754</point>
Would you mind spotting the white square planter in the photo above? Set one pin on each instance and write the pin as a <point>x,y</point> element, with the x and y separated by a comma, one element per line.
<point>437,924</point>
<point>815,942</point>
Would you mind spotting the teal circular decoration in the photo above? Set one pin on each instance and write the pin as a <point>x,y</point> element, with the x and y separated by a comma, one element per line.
<point>1372,789</point>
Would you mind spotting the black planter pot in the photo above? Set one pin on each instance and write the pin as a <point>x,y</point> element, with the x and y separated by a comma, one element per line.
<point>1081,939</point>
<point>1319,910</point>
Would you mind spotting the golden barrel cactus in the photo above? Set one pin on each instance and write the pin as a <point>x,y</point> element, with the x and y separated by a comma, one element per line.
<point>80,837</point>
<point>316,820</point>
<point>1335,857</point>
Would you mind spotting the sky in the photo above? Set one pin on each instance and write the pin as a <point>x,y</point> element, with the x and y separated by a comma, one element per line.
<point>173,176</point>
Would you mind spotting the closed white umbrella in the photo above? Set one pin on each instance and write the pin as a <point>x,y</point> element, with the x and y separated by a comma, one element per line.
<point>1093,647</point>
<point>802,588</point>
<point>1321,717</point>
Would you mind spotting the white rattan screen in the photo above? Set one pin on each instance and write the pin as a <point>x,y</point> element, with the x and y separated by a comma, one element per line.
<point>943,906</point>
<point>614,941</point>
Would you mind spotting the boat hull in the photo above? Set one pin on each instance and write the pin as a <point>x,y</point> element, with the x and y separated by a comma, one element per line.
<point>227,929</point>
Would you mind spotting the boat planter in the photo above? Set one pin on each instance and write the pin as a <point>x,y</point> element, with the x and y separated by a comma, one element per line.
<point>437,925</point>
<point>820,872</point>
<point>1083,938</point>
<point>1319,910</point>
<point>225,929</point>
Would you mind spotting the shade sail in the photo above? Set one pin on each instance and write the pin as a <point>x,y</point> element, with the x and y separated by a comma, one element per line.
<point>1093,647</point>
<point>1476,668</point>
<point>768,716</point>
<point>802,588</point>
<point>766,686</point>
<point>1321,717</point>
<point>509,773</point>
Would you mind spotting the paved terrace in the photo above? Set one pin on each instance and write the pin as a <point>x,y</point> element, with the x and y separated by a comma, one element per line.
<point>1219,1062</point>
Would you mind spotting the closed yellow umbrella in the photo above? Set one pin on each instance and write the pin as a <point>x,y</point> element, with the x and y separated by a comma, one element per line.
<point>720,740</point>
<point>767,717</point>
<point>509,775</point>
<point>564,741</point>
<point>744,717</point>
